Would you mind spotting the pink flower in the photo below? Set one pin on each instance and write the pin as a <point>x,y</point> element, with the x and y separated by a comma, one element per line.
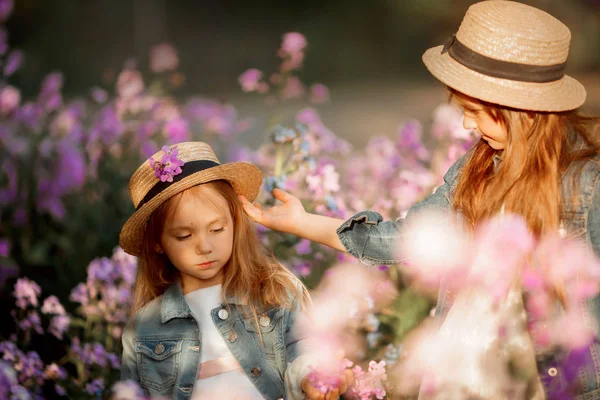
<point>319,93</point>
<point>59,325</point>
<point>163,57</point>
<point>250,80</point>
<point>293,42</point>
<point>130,83</point>
<point>52,306</point>
<point>27,293</point>
<point>10,98</point>
<point>169,165</point>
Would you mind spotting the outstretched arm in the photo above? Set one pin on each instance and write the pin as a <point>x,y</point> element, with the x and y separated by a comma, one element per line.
<point>290,217</point>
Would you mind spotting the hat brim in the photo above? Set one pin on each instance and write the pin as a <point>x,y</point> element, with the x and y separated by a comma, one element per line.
<point>562,95</point>
<point>245,178</point>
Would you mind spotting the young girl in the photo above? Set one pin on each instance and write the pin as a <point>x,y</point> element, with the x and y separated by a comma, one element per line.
<point>537,157</point>
<point>213,313</point>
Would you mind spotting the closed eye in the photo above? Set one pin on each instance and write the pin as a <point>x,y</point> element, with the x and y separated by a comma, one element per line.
<point>218,230</point>
<point>183,237</point>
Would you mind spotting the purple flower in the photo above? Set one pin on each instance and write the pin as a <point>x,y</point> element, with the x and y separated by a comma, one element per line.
<point>303,247</point>
<point>8,378</point>
<point>80,295</point>
<point>4,247</point>
<point>50,96</point>
<point>114,360</point>
<point>101,270</point>
<point>169,165</point>
<point>60,390</point>
<point>6,7</point>
<point>31,321</point>
<point>99,95</point>
<point>149,148</point>
<point>30,366</point>
<point>59,325</point>
<point>27,293</point>
<point>95,387</point>
<point>13,62</point>
<point>107,127</point>
<point>177,130</point>
<point>30,114</point>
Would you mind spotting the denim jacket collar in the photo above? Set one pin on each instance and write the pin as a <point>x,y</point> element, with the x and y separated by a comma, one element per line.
<point>174,304</point>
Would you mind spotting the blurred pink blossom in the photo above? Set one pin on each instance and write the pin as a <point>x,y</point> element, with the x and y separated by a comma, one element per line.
<point>163,57</point>
<point>26,293</point>
<point>251,81</point>
<point>10,98</point>
<point>293,42</point>
<point>52,306</point>
<point>319,93</point>
<point>130,83</point>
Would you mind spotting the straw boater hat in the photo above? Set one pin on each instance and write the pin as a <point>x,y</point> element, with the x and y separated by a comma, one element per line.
<point>510,54</point>
<point>173,170</point>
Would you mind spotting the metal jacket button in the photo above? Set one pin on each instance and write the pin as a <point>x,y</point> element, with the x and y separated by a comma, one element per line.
<point>159,349</point>
<point>223,314</point>
<point>232,337</point>
<point>264,321</point>
<point>256,371</point>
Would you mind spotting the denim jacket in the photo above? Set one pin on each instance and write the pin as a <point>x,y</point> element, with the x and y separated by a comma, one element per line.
<point>162,345</point>
<point>372,240</point>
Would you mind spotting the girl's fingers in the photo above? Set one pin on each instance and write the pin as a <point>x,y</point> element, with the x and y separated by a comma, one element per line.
<point>347,381</point>
<point>333,395</point>
<point>250,209</point>
<point>282,195</point>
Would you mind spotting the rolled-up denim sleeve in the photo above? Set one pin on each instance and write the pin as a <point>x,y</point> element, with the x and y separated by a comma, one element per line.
<point>373,241</point>
<point>129,370</point>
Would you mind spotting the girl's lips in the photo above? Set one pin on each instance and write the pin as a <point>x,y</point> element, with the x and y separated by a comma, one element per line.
<point>206,264</point>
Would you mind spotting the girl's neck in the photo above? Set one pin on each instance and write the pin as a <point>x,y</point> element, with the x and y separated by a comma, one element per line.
<point>190,284</point>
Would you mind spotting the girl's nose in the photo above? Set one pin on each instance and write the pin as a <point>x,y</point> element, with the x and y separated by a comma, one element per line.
<point>202,247</point>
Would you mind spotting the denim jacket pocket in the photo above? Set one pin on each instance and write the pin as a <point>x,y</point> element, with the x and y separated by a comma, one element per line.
<point>268,338</point>
<point>159,362</point>
<point>573,225</point>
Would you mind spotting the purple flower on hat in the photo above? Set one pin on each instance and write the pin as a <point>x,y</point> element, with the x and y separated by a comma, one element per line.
<point>169,165</point>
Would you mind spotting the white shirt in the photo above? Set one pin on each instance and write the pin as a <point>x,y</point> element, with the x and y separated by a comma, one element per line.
<point>228,385</point>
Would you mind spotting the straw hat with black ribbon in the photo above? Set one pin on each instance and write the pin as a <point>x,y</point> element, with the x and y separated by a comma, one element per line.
<point>173,170</point>
<point>510,54</point>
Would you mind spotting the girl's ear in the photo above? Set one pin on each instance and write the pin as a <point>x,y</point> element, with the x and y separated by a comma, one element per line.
<point>158,249</point>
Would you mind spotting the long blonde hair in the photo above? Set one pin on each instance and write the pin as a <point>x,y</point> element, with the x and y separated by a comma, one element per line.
<point>540,147</point>
<point>252,276</point>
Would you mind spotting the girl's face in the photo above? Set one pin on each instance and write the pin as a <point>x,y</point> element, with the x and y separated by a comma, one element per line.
<point>492,131</point>
<point>198,238</point>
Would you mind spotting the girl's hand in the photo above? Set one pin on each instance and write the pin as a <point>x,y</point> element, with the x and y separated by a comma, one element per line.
<point>313,393</point>
<point>283,217</point>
